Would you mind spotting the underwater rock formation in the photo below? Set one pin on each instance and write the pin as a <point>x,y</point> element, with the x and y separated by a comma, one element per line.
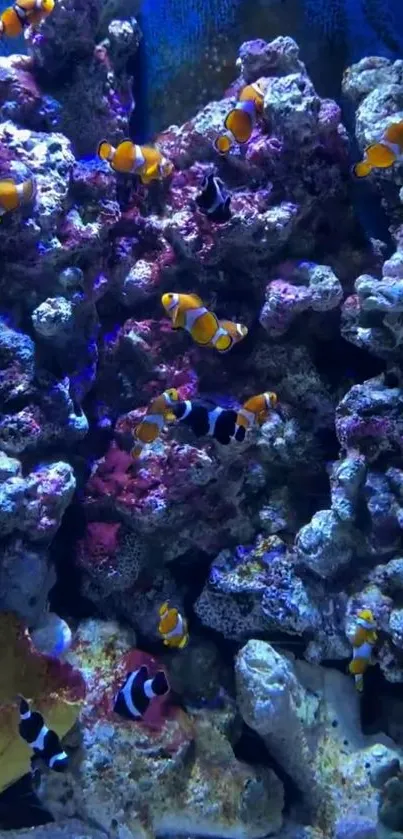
<point>150,777</point>
<point>371,318</point>
<point>34,505</point>
<point>255,589</point>
<point>284,536</point>
<point>309,719</point>
<point>284,300</point>
<point>374,85</point>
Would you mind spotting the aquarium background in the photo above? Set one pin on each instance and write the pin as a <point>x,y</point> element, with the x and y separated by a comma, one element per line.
<point>189,48</point>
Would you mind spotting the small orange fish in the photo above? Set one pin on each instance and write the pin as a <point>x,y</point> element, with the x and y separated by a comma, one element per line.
<point>158,412</point>
<point>254,411</point>
<point>173,627</point>
<point>384,154</point>
<point>128,158</point>
<point>13,195</point>
<point>240,121</point>
<point>24,13</point>
<point>363,641</point>
<point>187,311</point>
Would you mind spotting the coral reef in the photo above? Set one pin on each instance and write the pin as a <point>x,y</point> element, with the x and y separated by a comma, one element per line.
<point>283,537</point>
<point>135,778</point>
<point>371,318</point>
<point>68,829</point>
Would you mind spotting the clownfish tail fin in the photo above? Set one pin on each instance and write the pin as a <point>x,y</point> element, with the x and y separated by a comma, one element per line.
<point>362,169</point>
<point>224,343</point>
<point>105,150</point>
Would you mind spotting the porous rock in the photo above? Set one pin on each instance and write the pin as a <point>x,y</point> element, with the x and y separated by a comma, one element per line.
<point>179,775</point>
<point>309,719</point>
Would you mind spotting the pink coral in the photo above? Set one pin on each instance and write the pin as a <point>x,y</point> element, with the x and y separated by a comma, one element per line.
<point>99,545</point>
<point>112,555</point>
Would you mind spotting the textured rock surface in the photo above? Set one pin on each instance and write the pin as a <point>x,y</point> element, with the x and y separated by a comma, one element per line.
<point>374,86</point>
<point>69,829</point>
<point>173,772</point>
<point>284,536</point>
<point>371,318</point>
<point>309,719</point>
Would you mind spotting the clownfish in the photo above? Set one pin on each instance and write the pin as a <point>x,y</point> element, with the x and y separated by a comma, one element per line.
<point>254,412</point>
<point>134,697</point>
<point>363,640</point>
<point>24,13</point>
<point>187,311</point>
<point>151,425</point>
<point>130,159</point>
<point>214,201</point>
<point>240,121</point>
<point>384,154</point>
<point>43,741</point>
<point>13,195</point>
<point>224,424</point>
<point>173,627</point>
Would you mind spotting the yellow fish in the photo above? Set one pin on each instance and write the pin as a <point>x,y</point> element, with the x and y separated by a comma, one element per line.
<point>24,13</point>
<point>152,424</point>
<point>187,311</point>
<point>172,627</point>
<point>384,154</point>
<point>363,641</point>
<point>13,195</point>
<point>128,158</point>
<point>240,121</point>
<point>254,411</point>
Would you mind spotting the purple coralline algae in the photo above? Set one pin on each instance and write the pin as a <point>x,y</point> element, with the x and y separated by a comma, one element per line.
<point>372,317</point>
<point>284,299</point>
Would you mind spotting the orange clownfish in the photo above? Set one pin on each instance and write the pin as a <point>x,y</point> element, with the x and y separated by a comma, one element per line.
<point>13,195</point>
<point>187,311</point>
<point>128,158</point>
<point>158,411</point>
<point>254,412</point>
<point>24,13</point>
<point>363,640</point>
<point>384,154</point>
<point>240,121</point>
<point>172,627</point>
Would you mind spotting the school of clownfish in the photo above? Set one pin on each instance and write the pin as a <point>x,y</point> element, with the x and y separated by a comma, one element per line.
<point>186,311</point>
<point>149,164</point>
